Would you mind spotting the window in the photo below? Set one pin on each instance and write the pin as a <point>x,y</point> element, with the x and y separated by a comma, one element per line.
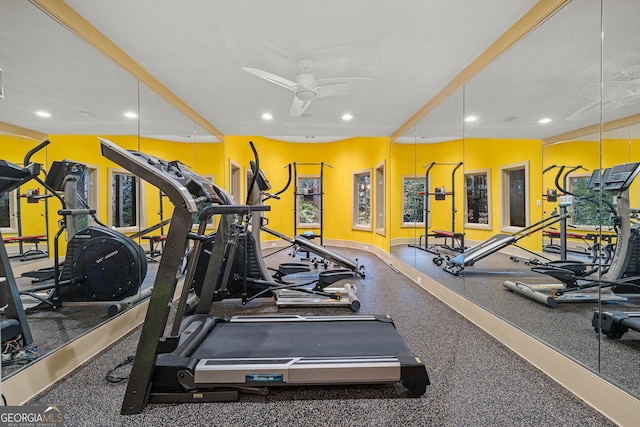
<point>413,201</point>
<point>86,185</point>
<point>380,200</point>
<point>235,176</point>
<point>362,200</point>
<point>308,201</point>
<point>515,196</point>
<point>477,199</point>
<point>585,212</point>
<point>124,200</point>
<point>7,212</point>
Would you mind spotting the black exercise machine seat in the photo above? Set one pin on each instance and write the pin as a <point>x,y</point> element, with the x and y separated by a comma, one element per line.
<point>209,358</point>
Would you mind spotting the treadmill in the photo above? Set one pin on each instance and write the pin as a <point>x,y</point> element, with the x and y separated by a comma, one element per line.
<point>15,324</point>
<point>209,358</point>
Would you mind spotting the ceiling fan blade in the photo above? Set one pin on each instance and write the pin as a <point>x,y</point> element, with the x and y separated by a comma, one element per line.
<point>611,90</point>
<point>280,81</point>
<point>592,109</point>
<point>333,90</point>
<point>340,80</point>
<point>298,107</point>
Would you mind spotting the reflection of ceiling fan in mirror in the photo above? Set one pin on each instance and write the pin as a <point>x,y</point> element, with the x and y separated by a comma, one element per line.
<point>615,94</point>
<point>306,88</point>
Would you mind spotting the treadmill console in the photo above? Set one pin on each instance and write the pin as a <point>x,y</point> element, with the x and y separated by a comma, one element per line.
<point>13,176</point>
<point>198,186</point>
<point>595,182</point>
<point>621,177</point>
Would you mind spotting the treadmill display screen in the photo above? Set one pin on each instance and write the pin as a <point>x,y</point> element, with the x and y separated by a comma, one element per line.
<point>621,176</point>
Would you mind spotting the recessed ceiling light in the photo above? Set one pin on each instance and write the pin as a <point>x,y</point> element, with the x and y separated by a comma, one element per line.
<point>267,116</point>
<point>43,114</point>
<point>470,119</point>
<point>346,117</point>
<point>130,115</point>
<point>545,120</point>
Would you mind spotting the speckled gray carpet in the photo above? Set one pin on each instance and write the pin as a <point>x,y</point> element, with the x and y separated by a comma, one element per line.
<point>475,380</point>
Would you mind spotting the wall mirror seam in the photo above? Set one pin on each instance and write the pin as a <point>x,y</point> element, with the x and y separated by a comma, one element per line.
<point>515,191</point>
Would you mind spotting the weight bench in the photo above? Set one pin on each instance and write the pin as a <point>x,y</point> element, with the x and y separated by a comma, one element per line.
<point>155,246</point>
<point>308,236</point>
<point>457,239</point>
<point>592,241</point>
<point>31,253</point>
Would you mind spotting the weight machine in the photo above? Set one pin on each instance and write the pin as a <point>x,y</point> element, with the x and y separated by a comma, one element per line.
<point>302,195</point>
<point>440,193</point>
<point>32,196</point>
<point>298,242</point>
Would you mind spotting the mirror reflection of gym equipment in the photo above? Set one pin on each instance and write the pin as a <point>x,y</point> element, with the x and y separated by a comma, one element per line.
<point>100,264</point>
<point>596,282</point>
<point>453,241</point>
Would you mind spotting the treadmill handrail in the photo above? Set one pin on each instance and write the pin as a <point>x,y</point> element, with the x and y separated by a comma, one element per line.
<point>209,211</point>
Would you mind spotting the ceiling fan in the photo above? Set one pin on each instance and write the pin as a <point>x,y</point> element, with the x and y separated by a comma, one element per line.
<point>615,94</point>
<point>306,87</point>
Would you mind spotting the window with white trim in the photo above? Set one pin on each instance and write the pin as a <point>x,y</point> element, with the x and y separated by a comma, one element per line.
<point>413,201</point>
<point>86,188</point>
<point>8,212</point>
<point>380,200</point>
<point>477,199</point>
<point>125,192</point>
<point>362,200</point>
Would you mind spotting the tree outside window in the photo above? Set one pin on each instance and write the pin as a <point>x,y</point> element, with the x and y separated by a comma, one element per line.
<point>124,206</point>
<point>477,209</point>
<point>5,211</point>
<point>413,200</point>
<point>362,202</point>
<point>309,201</point>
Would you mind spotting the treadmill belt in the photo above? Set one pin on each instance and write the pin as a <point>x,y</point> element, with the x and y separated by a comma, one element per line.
<point>301,339</point>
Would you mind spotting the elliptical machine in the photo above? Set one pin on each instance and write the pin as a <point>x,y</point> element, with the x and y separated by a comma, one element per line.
<point>101,264</point>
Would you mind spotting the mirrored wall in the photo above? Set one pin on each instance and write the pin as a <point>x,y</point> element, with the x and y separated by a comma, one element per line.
<point>533,150</point>
<point>94,99</point>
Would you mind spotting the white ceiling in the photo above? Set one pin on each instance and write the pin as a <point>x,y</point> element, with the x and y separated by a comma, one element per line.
<point>196,48</point>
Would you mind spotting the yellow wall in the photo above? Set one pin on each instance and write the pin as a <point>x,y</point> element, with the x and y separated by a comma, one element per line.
<point>345,158</point>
